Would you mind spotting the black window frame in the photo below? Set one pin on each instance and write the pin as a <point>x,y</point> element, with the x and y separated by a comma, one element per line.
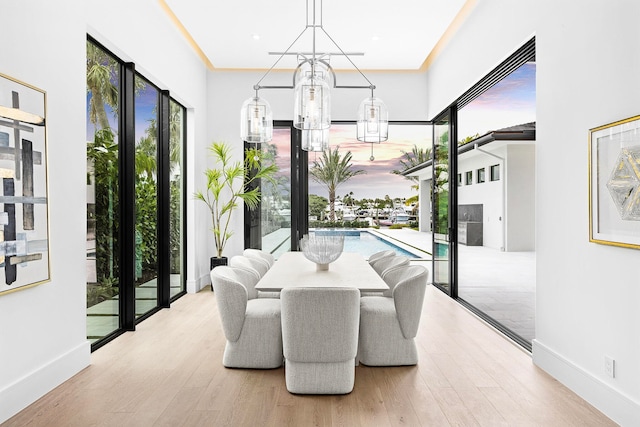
<point>126,193</point>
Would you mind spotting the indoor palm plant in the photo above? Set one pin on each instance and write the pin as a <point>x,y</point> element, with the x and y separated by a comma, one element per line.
<point>229,182</point>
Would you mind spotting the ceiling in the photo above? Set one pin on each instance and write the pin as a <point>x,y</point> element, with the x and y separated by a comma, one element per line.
<point>375,34</point>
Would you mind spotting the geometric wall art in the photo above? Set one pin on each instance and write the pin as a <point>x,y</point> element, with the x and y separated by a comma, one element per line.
<point>24,216</point>
<point>614,183</point>
<point>624,183</point>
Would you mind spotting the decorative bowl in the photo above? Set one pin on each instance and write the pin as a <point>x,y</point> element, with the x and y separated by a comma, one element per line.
<point>322,250</point>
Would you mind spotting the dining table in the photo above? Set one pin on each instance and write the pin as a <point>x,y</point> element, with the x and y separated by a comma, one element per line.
<point>293,269</point>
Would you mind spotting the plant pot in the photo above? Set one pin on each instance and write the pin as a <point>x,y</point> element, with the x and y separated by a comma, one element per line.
<point>215,261</point>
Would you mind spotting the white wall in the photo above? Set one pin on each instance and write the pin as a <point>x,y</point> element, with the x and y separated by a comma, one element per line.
<point>145,36</point>
<point>520,214</point>
<point>588,295</point>
<point>43,337</point>
<point>425,204</point>
<point>488,194</point>
<point>43,334</point>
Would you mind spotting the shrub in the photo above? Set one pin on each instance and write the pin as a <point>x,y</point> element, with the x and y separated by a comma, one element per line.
<point>397,226</point>
<point>338,224</point>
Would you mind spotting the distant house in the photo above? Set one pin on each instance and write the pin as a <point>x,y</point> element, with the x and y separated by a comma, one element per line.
<point>496,189</point>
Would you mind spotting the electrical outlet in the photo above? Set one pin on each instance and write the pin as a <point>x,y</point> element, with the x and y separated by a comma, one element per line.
<point>610,366</point>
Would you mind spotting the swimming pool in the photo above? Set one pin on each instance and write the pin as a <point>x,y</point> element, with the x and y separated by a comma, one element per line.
<point>365,243</point>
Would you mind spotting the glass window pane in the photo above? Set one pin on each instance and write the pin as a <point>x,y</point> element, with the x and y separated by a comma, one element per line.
<point>103,273</point>
<point>146,190</point>
<point>480,175</point>
<point>495,173</point>
<point>276,199</point>
<point>441,204</point>
<point>176,197</point>
<point>370,191</point>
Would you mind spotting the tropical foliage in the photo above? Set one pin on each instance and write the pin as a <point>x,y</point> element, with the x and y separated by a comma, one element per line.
<point>411,159</point>
<point>101,70</point>
<point>230,183</point>
<point>332,169</point>
<point>468,139</point>
<point>317,205</point>
<point>103,165</point>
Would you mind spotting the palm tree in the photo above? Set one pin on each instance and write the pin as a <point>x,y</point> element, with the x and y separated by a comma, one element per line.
<point>101,69</point>
<point>468,139</point>
<point>332,170</point>
<point>411,159</point>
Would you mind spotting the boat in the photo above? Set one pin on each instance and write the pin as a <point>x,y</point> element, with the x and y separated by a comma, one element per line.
<point>397,216</point>
<point>349,216</point>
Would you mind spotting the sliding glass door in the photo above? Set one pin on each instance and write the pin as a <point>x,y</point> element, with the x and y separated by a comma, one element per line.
<point>483,197</point>
<point>271,227</point>
<point>443,242</point>
<point>496,204</point>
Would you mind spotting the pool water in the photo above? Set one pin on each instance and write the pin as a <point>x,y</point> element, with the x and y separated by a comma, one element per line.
<point>367,244</point>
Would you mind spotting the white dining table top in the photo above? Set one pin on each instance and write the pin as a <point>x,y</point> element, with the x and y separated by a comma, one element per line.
<point>293,269</point>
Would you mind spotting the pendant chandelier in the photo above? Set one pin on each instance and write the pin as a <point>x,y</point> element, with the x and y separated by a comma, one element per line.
<point>313,80</point>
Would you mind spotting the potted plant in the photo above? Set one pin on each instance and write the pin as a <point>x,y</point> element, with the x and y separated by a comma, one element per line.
<point>228,183</point>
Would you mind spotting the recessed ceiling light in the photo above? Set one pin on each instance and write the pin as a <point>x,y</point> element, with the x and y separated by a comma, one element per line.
<point>375,38</point>
<point>255,36</point>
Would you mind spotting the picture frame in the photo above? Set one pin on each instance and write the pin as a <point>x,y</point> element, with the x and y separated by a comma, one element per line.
<point>24,207</point>
<point>614,183</point>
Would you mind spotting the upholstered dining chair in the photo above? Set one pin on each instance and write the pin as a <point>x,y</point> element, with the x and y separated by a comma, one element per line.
<point>252,327</point>
<point>379,255</point>
<point>388,326</point>
<point>245,262</point>
<point>389,262</point>
<point>394,275</point>
<point>259,254</point>
<point>258,267</point>
<point>320,339</point>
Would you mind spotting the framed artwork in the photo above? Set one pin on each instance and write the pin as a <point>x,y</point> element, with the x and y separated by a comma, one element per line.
<point>24,213</point>
<point>614,183</point>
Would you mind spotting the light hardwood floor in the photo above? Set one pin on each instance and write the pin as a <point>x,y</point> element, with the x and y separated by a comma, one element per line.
<point>169,372</point>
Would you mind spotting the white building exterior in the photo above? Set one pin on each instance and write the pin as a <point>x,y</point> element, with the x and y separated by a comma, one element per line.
<point>497,172</point>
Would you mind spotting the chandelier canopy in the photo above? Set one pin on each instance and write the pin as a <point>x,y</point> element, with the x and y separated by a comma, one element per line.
<point>313,80</point>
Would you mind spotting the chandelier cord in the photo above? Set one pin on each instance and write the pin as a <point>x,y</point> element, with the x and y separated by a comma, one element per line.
<point>314,26</point>
<point>257,85</point>
<point>371,85</point>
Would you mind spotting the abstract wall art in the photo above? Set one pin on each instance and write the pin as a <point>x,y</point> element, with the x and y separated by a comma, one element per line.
<point>614,183</point>
<point>24,223</point>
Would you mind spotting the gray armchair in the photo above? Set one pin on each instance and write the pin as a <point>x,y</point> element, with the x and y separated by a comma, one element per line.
<point>252,327</point>
<point>388,326</point>
<point>320,339</point>
<point>260,254</point>
<point>260,266</point>
<point>379,255</point>
<point>388,262</point>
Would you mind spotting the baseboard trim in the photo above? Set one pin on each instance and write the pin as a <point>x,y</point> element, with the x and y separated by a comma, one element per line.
<point>33,386</point>
<point>194,286</point>
<point>619,407</point>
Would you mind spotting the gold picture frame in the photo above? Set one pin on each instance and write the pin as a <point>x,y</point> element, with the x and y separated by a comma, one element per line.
<point>24,200</point>
<point>614,183</point>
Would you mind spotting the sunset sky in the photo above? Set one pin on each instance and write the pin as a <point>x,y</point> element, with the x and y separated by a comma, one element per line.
<point>377,181</point>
